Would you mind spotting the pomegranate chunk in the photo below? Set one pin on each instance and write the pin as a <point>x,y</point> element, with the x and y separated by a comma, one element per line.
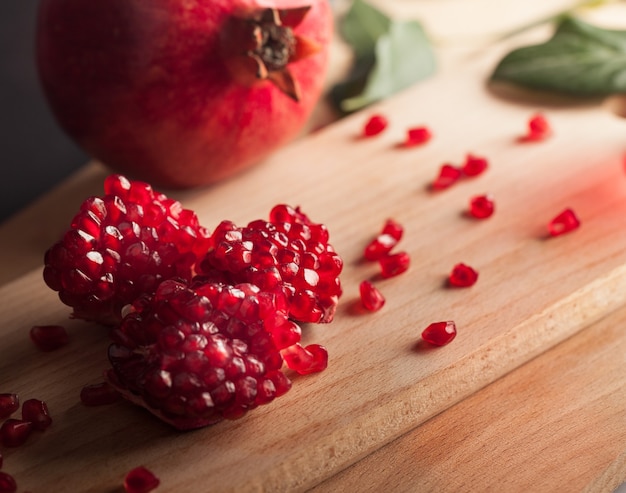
<point>481,206</point>
<point>36,412</point>
<point>9,403</point>
<point>49,337</point>
<point>7,483</point>
<point>462,276</point>
<point>306,360</point>
<point>439,333</point>
<point>538,129</point>
<point>140,480</point>
<point>474,165</point>
<point>396,264</point>
<point>99,394</point>
<point>564,222</point>
<point>375,125</point>
<point>14,432</point>
<point>371,298</point>
<point>417,136</point>
<point>448,175</point>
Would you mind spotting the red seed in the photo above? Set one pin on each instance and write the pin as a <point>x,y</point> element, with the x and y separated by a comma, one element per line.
<point>99,394</point>
<point>474,165</point>
<point>306,360</point>
<point>1,461</point>
<point>375,125</point>
<point>36,412</point>
<point>396,264</point>
<point>140,480</point>
<point>538,129</point>
<point>439,333</point>
<point>371,298</point>
<point>481,206</point>
<point>462,276</point>
<point>49,337</point>
<point>417,136</point>
<point>9,403</point>
<point>448,175</point>
<point>14,432</point>
<point>564,222</point>
<point>7,483</point>
<point>393,229</point>
<point>379,247</point>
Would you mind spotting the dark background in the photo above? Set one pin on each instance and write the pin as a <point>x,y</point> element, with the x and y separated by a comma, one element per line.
<point>35,153</point>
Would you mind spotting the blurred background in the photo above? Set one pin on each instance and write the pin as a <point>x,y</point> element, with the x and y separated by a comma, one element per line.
<point>35,153</point>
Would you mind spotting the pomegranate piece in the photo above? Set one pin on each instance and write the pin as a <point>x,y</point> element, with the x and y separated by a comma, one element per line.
<point>462,276</point>
<point>474,165</point>
<point>9,403</point>
<point>99,394</point>
<point>37,413</point>
<point>14,432</point>
<point>538,129</point>
<point>49,337</point>
<point>388,238</point>
<point>417,136</point>
<point>7,483</point>
<point>564,222</point>
<point>375,125</point>
<point>481,206</point>
<point>306,360</point>
<point>393,229</point>
<point>439,333</point>
<point>140,480</point>
<point>394,265</point>
<point>448,175</point>
<point>121,245</point>
<point>371,298</point>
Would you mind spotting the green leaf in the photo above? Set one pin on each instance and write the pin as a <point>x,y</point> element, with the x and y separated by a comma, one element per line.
<point>390,55</point>
<point>580,59</point>
<point>402,57</point>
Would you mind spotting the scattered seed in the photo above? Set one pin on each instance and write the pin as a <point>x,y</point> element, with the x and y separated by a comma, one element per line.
<point>417,136</point>
<point>49,337</point>
<point>481,206</point>
<point>462,276</point>
<point>564,222</point>
<point>140,480</point>
<point>393,265</point>
<point>371,298</point>
<point>9,403</point>
<point>439,333</point>
<point>7,483</point>
<point>14,432</point>
<point>375,125</point>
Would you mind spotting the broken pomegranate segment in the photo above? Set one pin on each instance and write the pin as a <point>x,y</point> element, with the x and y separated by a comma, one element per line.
<point>37,413</point>
<point>99,394</point>
<point>305,360</point>
<point>49,337</point>
<point>14,432</point>
<point>474,165</point>
<point>417,136</point>
<point>140,480</point>
<point>9,403</point>
<point>564,222</point>
<point>481,206</point>
<point>375,125</point>
<point>395,264</point>
<point>439,333</point>
<point>448,175</point>
<point>7,483</point>
<point>462,276</point>
<point>371,298</point>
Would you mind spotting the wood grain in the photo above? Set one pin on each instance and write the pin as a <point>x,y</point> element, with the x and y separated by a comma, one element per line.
<point>534,292</point>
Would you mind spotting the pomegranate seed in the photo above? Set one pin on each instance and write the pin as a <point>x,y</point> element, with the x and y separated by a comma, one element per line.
<point>99,394</point>
<point>563,223</point>
<point>538,129</point>
<point>375,125</point>
<point>462,276</point>
<point>448,175</point>
<point>306,360</point>
<point>371,297</point>
<point>379,247</point>
<point>474,165</point>
<point>393,265</point>
<point>481,206</point>
<point>140,480</point>
<point>49,337</point>
<point>9,403</point>
<point>393,229</point>
<point>14,432</point>
<point>36,412</point>
<point>439,333</point>
<point>7,483</point>
<point>417,136</point>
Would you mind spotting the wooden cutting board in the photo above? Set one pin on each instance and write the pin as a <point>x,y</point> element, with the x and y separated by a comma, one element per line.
<point>533,291</point>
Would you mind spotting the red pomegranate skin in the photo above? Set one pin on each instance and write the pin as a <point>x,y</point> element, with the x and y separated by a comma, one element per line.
<point>143,85</point>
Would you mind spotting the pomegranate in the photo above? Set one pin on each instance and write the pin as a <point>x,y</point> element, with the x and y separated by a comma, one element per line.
<point>182,93</point>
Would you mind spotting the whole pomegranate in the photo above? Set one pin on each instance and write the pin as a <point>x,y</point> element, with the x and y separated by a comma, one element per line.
<point>182,93</point>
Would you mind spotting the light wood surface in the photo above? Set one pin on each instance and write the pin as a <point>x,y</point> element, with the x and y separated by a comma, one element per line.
<point>533,293</point>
